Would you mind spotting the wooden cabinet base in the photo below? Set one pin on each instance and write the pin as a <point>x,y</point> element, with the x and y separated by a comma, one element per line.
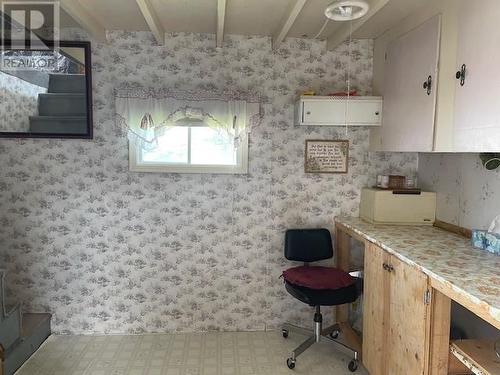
<point>439,351</point>
<point>477,355</point>
<point>455,367</point>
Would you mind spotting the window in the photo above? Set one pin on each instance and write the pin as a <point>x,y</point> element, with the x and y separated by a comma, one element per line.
<point>177,131</point>
<point>191,148</point>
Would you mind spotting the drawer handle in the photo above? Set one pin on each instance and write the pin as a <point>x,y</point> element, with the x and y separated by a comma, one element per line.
<point>308,112</point>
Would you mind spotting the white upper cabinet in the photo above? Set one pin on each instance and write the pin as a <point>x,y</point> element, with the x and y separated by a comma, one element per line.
<point>477,103</point>
<point>410,81</point>
<point>462,114</point>
<point>333,111</point>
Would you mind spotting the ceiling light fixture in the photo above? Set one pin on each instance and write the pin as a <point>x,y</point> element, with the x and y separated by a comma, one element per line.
<point>346,10</point>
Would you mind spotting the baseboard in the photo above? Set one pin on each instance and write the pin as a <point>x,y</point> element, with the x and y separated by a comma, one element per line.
<point>453,228</point>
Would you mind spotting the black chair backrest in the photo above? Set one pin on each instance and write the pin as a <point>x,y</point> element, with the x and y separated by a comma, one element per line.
<point>308,245</point>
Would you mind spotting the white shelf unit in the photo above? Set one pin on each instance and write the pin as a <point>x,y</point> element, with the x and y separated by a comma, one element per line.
<point>333,110</point>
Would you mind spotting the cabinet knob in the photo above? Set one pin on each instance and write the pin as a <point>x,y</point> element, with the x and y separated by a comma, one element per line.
<point>377,113</point>
<point>428,85</point>
<point>308,112</point>
<point>388,267</point>
<point>461,74</point>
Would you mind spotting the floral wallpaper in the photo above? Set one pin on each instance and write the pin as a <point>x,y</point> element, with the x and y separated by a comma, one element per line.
<point>467,193</point>
<point>18,101</point>
<point>110,251</point>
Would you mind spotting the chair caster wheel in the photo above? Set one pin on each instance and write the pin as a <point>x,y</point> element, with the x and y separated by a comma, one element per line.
<point>290,363</point>
<point>335,334</point>
<point>284,332</point>
<point>353,365</point>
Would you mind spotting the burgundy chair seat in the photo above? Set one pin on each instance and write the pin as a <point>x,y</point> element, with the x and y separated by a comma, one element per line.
<point>318,278</point>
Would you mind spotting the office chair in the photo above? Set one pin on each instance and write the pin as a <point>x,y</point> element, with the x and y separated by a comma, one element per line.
<point>316,286</point>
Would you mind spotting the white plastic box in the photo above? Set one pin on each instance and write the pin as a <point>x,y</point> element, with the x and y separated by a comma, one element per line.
<point>391,207</point>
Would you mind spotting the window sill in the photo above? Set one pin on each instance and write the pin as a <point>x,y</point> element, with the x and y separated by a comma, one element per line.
<point>194,169</point>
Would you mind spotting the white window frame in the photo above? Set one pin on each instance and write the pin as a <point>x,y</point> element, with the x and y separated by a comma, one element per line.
<point>138,165</point>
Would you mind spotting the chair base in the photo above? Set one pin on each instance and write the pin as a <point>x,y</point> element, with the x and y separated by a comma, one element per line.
<point>331,333</point>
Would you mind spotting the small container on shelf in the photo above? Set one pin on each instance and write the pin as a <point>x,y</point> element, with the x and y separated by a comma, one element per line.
<point>383,181</point>
<point>397,182</point>
<point>411,182</point>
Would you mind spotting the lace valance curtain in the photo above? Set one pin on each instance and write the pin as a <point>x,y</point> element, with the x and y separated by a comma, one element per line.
<point>147,113</point>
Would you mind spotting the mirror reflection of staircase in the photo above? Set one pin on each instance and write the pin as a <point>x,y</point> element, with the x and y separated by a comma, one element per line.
<point>63,109</point>
<point>20,333</point>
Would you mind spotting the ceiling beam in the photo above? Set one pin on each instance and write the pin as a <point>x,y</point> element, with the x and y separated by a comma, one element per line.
<point>342,33</point>
<point>221,19</point>
<point>84,19</point>
<point>152,20</point>
<point>288,23</point>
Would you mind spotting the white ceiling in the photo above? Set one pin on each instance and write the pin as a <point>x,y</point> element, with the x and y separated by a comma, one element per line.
<point>198,16</point>
<point>388,17</point>
<point>311,20</point>
<point>244,17</point>
<point>116,14</point>
<point>255,17</point>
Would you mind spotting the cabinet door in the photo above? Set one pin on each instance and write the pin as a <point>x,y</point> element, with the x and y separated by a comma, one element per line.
<point>324,112</point>
<point>364,112</point>
<point>408,327</point>
<point>375,301</point>
<point>408,115</point>
<point>331,111</point>
<point>477,113</point>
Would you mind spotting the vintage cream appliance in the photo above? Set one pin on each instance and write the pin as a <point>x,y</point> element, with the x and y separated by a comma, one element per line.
<point>407,207</point>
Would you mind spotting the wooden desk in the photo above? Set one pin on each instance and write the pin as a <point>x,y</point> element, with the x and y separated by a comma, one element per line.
<point>411,275</point>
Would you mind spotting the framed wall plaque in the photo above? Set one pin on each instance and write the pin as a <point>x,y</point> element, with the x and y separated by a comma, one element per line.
<point>324,156</point>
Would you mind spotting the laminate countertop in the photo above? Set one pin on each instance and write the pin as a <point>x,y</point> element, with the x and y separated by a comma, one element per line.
<point>467,275</point>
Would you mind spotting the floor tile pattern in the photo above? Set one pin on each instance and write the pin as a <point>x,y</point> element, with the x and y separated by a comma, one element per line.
<point>241,353</point>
